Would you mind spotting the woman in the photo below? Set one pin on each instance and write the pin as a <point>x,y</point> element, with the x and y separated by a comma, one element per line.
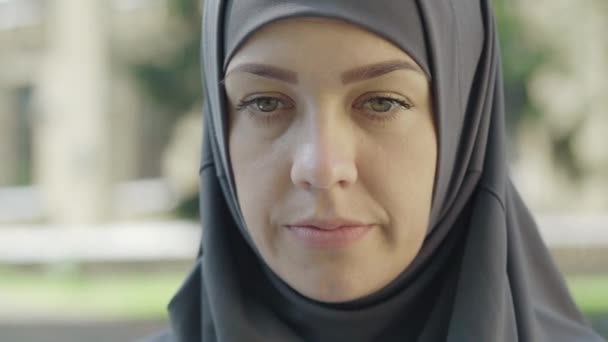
<point>354,182</point>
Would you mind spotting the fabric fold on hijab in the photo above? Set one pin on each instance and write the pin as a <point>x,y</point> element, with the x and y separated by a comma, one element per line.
<point>483,272</point>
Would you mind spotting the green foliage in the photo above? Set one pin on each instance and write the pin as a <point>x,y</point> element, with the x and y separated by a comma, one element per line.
<point>174,83</point>
<point>188,10</point>
<point>188,208</point>
<point>520,59</point>
<point>590,293</point>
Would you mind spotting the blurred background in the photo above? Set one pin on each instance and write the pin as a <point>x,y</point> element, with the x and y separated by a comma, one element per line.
<point>100,129</point>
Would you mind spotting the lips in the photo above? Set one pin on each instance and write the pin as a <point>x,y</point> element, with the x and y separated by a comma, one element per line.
<point>328,224</point>
<point>329,233</point>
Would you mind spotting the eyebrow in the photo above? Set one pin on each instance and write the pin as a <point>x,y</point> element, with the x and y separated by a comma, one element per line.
<point>376,70</point>
<point>267,71</point>
<point>349,76</point>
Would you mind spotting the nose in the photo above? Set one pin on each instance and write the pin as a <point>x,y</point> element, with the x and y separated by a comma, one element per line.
<point>325,155</point>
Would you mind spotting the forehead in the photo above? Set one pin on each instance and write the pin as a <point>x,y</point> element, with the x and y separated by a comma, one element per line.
<point>305,41</point>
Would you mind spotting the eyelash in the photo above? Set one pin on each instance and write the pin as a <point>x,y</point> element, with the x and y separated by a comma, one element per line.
<point>390,114</point>
<point>265,117</point>
<point>386,116</point>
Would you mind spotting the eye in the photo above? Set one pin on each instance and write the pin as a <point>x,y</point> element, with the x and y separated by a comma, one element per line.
<point>265,108</point>
<point>381,108</point>
<point>263,104</point>
<point>267,104</point>
<point>384,104</point>
<point>380,104</point>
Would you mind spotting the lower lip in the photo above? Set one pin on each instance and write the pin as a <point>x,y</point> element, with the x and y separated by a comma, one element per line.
<point>325,238</point>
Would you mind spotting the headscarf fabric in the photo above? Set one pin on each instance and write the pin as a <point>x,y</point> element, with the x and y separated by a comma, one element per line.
<point>483,272</point>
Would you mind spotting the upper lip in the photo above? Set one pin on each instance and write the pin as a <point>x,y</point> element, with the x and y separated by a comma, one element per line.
<point>327,223</point>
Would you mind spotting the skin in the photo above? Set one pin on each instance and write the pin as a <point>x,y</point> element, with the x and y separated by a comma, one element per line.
<point>322,148</point>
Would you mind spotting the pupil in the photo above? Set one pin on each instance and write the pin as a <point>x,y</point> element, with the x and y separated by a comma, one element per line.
<point>267,104</point>
<point>381,105</point>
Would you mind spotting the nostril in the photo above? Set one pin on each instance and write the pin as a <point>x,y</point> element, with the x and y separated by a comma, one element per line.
<point>324,175</point>
<point>306,185</point>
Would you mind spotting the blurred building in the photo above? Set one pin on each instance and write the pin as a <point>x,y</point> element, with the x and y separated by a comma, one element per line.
<point>72,119</point>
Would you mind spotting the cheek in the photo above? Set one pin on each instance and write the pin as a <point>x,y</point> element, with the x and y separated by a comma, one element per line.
<point>401,173</point>
<point>260,182</point>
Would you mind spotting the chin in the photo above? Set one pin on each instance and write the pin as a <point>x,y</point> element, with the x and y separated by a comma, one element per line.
<point>333,289</point>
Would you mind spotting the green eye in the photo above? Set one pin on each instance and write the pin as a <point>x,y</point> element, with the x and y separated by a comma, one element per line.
<point>379,104</point>
<point>263,104</point>
<point>383,108</point>
<point>265,108</point>
<point>267,104</point>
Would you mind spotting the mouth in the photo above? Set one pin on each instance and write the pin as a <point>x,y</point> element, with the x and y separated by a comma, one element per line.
<point>329,233</point>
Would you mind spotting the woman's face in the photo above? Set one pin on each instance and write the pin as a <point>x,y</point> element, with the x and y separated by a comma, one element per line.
<point>333,150</point>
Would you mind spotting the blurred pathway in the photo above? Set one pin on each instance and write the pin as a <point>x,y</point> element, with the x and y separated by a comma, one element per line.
<point>83,331</point>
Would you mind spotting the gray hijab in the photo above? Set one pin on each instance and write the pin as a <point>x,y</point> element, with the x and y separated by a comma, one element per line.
<point>483,273</point>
